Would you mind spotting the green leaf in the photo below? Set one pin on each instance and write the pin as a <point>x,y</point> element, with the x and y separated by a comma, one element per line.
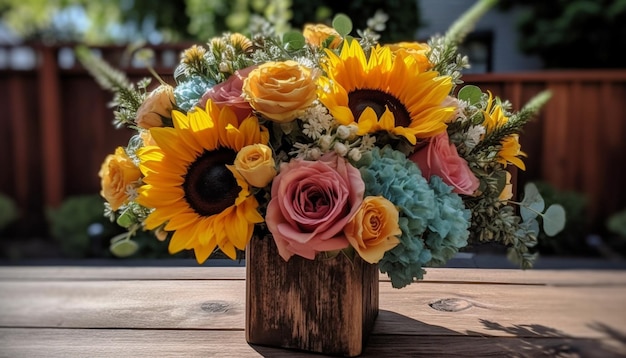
<point>471,94</point>
<point>554,219</point>
<point>126,219</point>
<point>293,40</point>
<point>342,24</point>
<point>329,40</point>
<point>124,248</point>
<point>532,204</point>
<point>500,180</point>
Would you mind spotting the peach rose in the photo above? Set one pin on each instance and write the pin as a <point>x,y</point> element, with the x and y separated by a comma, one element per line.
<point>256,164</point>
<point>374,229</point>
<point>311,203</point>
<point>280,90</point>
<point>228,93</point>
<point>158,105</point>
<point>117,173</point>
<point>319,35</point>
<point>439,157</point>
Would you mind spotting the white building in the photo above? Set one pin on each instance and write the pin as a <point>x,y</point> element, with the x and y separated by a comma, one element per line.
<point>491,47</point>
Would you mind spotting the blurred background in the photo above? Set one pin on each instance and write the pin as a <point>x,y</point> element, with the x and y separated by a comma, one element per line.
<point>56,125</point>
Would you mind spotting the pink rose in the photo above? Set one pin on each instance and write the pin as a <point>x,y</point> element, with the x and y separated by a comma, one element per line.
<point>311,203</point>
<point>439,157</point>
<point>228,93</point>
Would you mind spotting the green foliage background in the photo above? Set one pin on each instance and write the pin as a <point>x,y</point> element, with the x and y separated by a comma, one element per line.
<point>118,21</point>
<point>572,33</point>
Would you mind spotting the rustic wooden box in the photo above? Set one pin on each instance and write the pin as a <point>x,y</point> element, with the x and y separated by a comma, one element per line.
<point>324,306</point>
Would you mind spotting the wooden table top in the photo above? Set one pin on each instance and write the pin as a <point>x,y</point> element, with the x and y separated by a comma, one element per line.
<point>74,311</point>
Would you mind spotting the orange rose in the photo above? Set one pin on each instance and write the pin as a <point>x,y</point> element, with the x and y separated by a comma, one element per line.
<point>417,50</point>
<point>280,90</point>
<point>374,229</point>
<point>117,173</point>
<point>320,35</point>
<point>155,107</point>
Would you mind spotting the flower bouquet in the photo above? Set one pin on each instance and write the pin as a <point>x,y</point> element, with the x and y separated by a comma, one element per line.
<point>325,145</point>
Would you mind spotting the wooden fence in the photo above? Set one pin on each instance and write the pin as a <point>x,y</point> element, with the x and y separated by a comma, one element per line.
<point>56,128</point>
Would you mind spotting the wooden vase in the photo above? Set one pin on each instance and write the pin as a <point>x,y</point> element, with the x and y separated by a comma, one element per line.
<point>325,305</point>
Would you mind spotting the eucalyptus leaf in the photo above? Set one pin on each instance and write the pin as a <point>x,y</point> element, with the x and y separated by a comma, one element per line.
<point>342,24</point>
<point>532,204</point>
<point>125,220</point>
<point>554,219</point>
<point>119,237</point>
<point>294,40</point>
<point>471,94</point>
<point>533,226</point>
<point>124,248</point>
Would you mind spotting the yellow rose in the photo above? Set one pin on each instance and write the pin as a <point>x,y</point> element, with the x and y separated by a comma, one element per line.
<point>416,50</point>
<point>256,164</point>
<point>317,34</point>
<point>507,191</point>
<point>280,90</point>
<point>374,229</point>
<point>116,173</point>
<point>155,107</point>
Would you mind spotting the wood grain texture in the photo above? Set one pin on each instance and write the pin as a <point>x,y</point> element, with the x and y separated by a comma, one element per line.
<point>196,312</point>
<point>574,277</point>
<point>56,343</point>
<point>322,305</point>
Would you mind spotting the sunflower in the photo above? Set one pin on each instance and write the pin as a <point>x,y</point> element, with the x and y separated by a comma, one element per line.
<point>388,92</point>
<point>191,185</point>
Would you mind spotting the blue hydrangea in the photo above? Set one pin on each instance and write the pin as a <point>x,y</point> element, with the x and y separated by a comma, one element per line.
<point>433,219</point>
<point>389,173</point>
<point>448,230</point>
<point>190,91</point>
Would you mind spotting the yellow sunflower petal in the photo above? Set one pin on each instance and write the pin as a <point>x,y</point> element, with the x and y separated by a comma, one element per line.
<point>180,120</point>
<point>175,173</point>
<point>181,240</point>
<point>202,253</point>
<point>182,219</point>
<point>385,80</point>
<point>229,249</point>
<point>169,141</point>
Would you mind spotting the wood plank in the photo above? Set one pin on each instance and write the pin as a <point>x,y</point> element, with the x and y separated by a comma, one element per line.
<point>20,141</point>
<point>206,304</point>
<point>51,128</point>
<point>468,275</point>
<point>52,343</point>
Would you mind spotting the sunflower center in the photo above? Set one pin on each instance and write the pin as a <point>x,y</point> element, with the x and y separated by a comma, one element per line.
<point>209,186</point>
<point>360,99</point>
